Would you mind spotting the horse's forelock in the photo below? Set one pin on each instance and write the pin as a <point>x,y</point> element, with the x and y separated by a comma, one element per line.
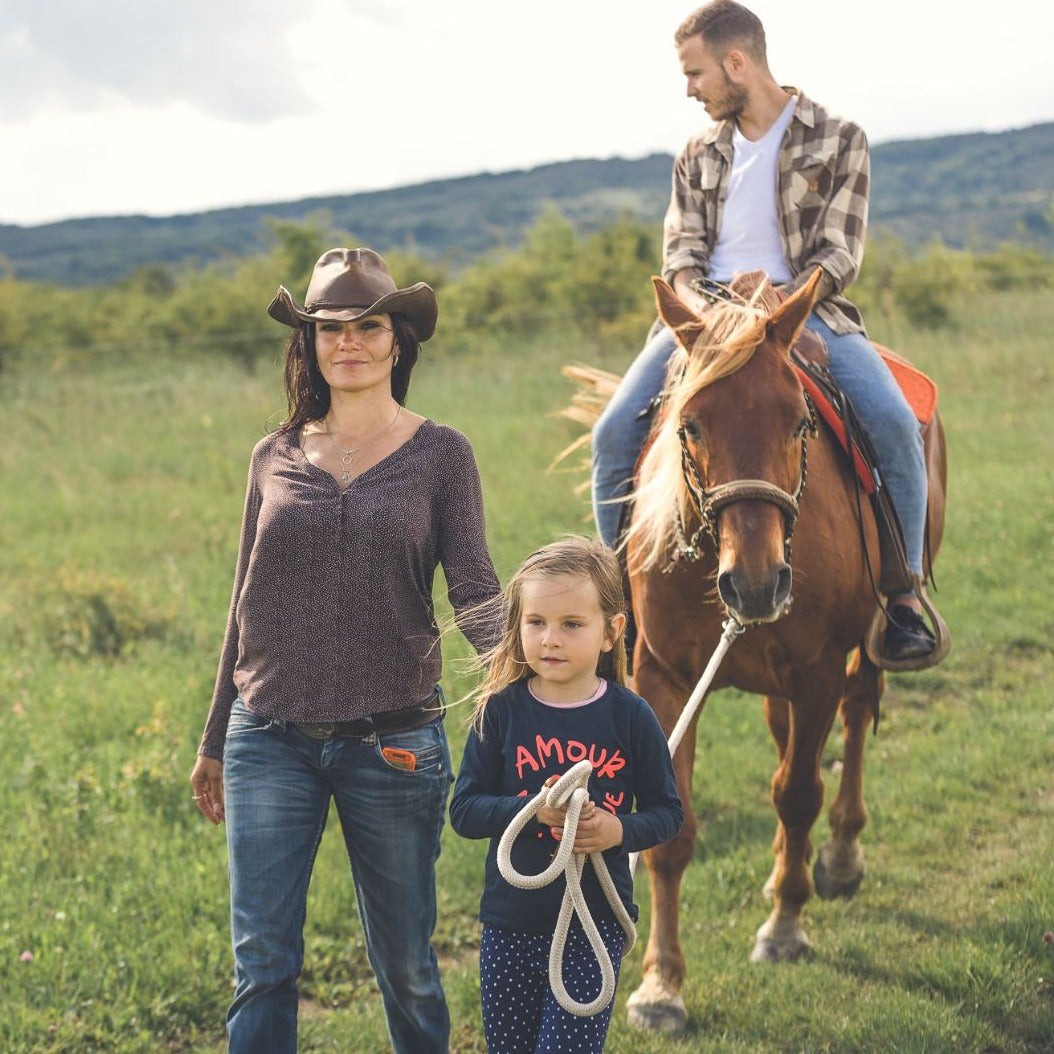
<point>732,334</point>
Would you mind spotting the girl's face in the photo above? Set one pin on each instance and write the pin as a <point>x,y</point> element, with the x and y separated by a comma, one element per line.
<point>563,633</point>
<point>358,355</point>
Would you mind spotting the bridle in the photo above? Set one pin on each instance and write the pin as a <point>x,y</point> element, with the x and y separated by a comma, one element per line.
<point>709,503</point>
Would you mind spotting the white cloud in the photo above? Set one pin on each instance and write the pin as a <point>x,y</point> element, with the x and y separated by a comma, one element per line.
<point>230,58</point>
<point>143,106</point>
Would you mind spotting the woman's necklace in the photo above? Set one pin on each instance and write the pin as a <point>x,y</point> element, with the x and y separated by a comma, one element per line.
<point>348,456</point>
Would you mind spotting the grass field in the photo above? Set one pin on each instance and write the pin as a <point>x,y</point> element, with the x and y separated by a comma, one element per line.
<point>122,491</point>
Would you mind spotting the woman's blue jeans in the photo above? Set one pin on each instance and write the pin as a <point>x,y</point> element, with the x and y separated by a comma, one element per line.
<point>888,420</point>
<point>278,783</point>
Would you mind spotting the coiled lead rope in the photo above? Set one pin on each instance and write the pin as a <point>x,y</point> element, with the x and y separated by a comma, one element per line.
<point>569,789</point>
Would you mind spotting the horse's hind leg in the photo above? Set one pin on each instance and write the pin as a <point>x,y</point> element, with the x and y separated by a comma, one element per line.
<point>657,1003</point>
<point>839,867</point>
<point>800,730</point>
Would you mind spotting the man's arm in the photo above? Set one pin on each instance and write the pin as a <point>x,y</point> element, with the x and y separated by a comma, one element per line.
<point>685,244</point>
<point>825,286</point>
<point>841,227</point>
<point>682,286</point>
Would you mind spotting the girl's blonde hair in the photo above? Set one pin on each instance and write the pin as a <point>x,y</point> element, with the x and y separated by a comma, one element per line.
<point>570,557</point>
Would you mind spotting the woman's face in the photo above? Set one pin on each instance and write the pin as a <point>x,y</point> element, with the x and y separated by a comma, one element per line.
<point>356,356</point>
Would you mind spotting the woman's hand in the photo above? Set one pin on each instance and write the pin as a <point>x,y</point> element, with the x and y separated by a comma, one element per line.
<point>207,781</point>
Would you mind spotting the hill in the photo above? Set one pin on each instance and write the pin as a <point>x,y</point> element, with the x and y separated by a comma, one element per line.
<point>973,190</point>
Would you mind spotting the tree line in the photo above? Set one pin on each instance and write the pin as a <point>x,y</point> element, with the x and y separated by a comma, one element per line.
<point>596,284</point>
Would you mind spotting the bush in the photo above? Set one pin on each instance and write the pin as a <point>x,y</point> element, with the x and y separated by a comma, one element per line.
<point>1016,267</point>
<point>594,285</point>
<point>83,615</point>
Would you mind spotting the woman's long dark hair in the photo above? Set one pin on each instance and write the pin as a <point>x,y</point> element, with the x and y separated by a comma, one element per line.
<point>306,391</point>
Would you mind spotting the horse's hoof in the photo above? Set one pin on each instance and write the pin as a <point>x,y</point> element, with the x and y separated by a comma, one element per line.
<point>656,1005</point>
<point>780,940</point>
<point>658,1017</point>
<point>764,952</point>
<point>831,881</point>
<point>770,951</point>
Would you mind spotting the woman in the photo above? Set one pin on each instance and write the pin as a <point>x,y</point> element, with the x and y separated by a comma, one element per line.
<point>328,679</point>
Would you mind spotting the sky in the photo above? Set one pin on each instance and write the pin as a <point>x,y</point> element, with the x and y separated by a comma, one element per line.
<point>161,107</point>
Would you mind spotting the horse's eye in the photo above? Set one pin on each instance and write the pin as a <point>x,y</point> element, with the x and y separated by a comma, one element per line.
<point>690,429</point>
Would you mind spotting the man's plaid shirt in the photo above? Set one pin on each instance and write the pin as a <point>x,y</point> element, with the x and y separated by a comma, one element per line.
<point>822,201</point>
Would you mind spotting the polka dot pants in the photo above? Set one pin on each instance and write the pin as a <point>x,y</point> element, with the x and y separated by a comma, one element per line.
<point>520,1012</point>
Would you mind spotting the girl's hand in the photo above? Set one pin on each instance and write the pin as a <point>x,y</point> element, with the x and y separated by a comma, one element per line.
<point>600,831</point>
<point>207,781</point>
<point>549,816</point>
<point>555,818</point>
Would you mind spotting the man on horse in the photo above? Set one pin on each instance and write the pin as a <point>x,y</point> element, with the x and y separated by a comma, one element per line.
<point>775,184</point>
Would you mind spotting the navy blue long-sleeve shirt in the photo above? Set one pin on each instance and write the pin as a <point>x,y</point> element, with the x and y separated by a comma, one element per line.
<point>524,742</point>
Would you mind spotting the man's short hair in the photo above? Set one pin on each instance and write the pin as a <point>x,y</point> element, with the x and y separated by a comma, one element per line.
<point>723,25</point>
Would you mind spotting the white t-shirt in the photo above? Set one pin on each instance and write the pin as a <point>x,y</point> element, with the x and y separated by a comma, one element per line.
<point>749,238</point>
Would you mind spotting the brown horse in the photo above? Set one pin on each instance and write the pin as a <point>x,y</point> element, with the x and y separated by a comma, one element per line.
<point>729,459</point>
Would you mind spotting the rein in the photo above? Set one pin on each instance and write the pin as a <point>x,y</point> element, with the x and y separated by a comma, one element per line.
<point>709,503</point>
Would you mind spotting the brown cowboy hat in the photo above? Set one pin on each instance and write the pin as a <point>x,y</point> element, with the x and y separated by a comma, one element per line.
<point>349,283</point>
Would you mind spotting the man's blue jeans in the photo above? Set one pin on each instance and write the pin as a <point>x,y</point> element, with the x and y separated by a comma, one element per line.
<point>888,420</point>
<point>277,786</point>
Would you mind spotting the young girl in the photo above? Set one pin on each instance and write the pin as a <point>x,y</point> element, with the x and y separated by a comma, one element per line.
<point>554,695</point>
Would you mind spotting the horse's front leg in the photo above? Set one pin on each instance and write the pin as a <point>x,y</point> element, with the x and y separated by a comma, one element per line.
<point>839,867</point>
<point>797,794</point>
<point>777,717</point>
<point>657,1003</point>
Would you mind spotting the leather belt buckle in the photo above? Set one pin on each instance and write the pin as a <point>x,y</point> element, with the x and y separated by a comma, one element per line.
<point>317,730</point>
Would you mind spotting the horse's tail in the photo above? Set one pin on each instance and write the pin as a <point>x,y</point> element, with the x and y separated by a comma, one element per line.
<point>595,389</point>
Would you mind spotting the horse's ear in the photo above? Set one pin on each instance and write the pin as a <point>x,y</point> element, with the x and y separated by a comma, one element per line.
<point>788,320</point>
<point>672,309</point>
<point>675,312</point>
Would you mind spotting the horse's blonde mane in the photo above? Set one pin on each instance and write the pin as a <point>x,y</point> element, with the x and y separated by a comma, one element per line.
<point>733,330</point>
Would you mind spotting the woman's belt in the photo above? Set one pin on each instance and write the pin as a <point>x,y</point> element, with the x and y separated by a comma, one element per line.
<point>375,724</point>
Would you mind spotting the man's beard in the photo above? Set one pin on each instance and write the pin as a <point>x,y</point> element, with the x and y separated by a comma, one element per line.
<point>731,103</point>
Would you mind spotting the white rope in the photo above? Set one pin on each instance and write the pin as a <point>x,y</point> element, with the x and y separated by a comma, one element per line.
<point>569,789</point>
<point>732,628</point>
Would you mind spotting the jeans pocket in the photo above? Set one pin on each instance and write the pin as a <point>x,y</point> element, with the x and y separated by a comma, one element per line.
<point>243,720</point>
<point>427,745</point>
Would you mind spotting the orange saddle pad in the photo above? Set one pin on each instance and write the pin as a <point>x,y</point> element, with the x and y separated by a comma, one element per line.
<point>919,390</point>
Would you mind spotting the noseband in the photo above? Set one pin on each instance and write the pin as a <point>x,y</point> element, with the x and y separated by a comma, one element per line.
<point>709,503</point>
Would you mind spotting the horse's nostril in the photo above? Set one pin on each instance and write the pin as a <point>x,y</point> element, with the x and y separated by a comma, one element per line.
<point>726,586</point>
<point>783,585</point>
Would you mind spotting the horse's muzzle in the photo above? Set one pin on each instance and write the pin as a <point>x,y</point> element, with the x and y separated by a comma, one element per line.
<point>763,600</point>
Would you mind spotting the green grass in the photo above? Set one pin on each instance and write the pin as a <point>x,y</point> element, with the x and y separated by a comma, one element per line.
<point>122,491</point>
